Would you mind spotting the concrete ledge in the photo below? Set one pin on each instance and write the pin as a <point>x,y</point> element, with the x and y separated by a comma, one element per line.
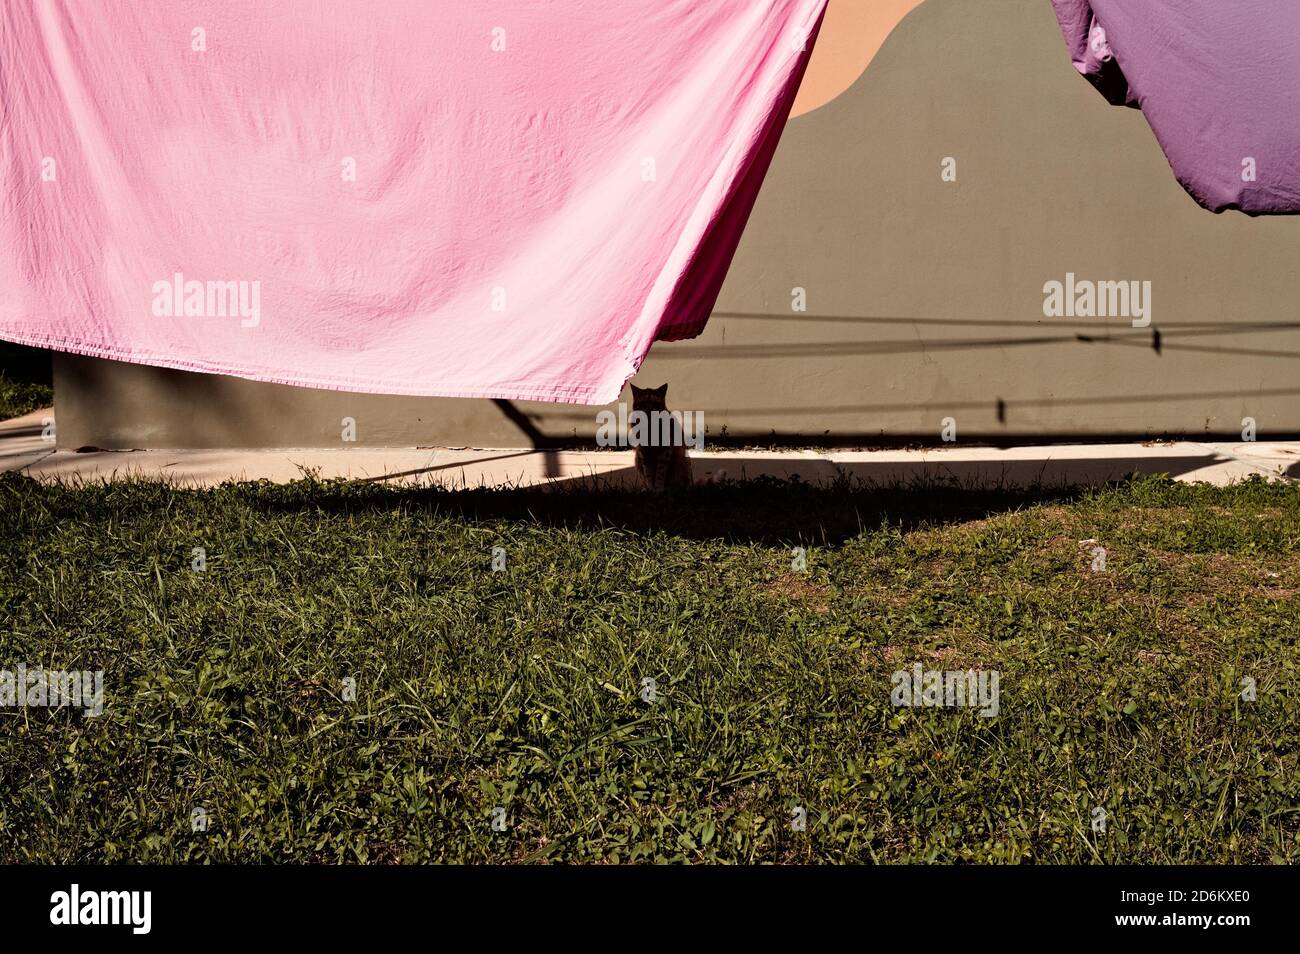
<point>23,441</point>
<point>23,448</point>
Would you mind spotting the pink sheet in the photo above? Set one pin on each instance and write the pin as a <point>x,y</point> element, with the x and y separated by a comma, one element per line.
<point>503,198</point>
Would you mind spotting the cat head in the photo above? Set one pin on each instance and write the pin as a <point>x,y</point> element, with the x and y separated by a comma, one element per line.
<point>647,399</point>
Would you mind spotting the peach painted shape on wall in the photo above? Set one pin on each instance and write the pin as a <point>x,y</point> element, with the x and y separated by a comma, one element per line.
<point>851,35</point>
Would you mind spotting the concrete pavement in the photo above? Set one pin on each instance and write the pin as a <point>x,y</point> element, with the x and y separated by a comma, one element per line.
<point>25,447</point>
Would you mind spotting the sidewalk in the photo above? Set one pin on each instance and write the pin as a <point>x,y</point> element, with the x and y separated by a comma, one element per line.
<point>23,448</point>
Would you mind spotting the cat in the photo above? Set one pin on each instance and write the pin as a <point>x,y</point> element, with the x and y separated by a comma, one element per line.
<point>661,467</point>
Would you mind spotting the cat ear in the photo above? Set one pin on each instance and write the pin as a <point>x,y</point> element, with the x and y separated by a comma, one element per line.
<point>636,390</point>
<point>662,390</point>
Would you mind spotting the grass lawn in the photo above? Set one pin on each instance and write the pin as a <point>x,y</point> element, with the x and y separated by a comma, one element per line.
<point>1120,689</point>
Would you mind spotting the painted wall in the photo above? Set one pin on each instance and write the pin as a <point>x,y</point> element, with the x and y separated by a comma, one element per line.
<point>924,298</point>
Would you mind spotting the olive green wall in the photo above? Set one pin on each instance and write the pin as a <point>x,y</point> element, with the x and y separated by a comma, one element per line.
<point>924,298</point>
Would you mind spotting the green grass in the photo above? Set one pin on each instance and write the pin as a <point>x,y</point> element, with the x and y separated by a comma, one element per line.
<point>522,689</point>
<point>24,380</point>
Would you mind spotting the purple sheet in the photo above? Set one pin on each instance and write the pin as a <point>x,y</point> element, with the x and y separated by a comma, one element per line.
<point>1219,82</point>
